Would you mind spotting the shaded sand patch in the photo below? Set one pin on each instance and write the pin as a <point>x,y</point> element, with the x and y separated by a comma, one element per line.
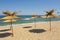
<point>37,30</point>
<point>4,30</point>
<point>2,35</point>
<point>27,27</point>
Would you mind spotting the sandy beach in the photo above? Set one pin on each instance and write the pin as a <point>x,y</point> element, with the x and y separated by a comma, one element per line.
<point>29,32</point>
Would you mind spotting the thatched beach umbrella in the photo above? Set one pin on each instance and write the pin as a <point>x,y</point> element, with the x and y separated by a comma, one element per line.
<point>50,15</point>
<point>34,17</point>
<point>10,18</point>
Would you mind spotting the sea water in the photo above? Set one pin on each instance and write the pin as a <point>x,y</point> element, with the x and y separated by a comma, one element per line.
<point>26,19</point>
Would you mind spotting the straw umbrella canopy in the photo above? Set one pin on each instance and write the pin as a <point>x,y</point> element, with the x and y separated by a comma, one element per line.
<point>34,17</point>
<point>9,21</point>
<point>10,18</point>
<point>49,14</point>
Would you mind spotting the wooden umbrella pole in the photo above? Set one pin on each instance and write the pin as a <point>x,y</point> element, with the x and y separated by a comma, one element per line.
<point>50,24</point>
<point>35,22</point>
<point>12,28</point>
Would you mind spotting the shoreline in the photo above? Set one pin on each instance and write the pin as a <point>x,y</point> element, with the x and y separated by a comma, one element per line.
<point>32,23</point>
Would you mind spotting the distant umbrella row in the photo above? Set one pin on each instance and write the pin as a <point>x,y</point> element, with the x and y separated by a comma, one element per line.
<point>49,14</point>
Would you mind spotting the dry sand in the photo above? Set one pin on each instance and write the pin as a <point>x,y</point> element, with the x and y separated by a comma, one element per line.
<point>24,32</point>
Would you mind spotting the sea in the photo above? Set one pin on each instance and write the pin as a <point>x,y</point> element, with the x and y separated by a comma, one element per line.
<point>27,19</point>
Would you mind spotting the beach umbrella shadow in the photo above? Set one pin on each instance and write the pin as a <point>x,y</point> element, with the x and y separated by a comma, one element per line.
<point>2,35</point>
<point>27,27</point>
<point>4,30</point>
<point>37,30</point>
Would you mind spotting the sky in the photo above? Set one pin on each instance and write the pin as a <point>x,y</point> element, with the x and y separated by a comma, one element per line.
<point>29,7</point>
